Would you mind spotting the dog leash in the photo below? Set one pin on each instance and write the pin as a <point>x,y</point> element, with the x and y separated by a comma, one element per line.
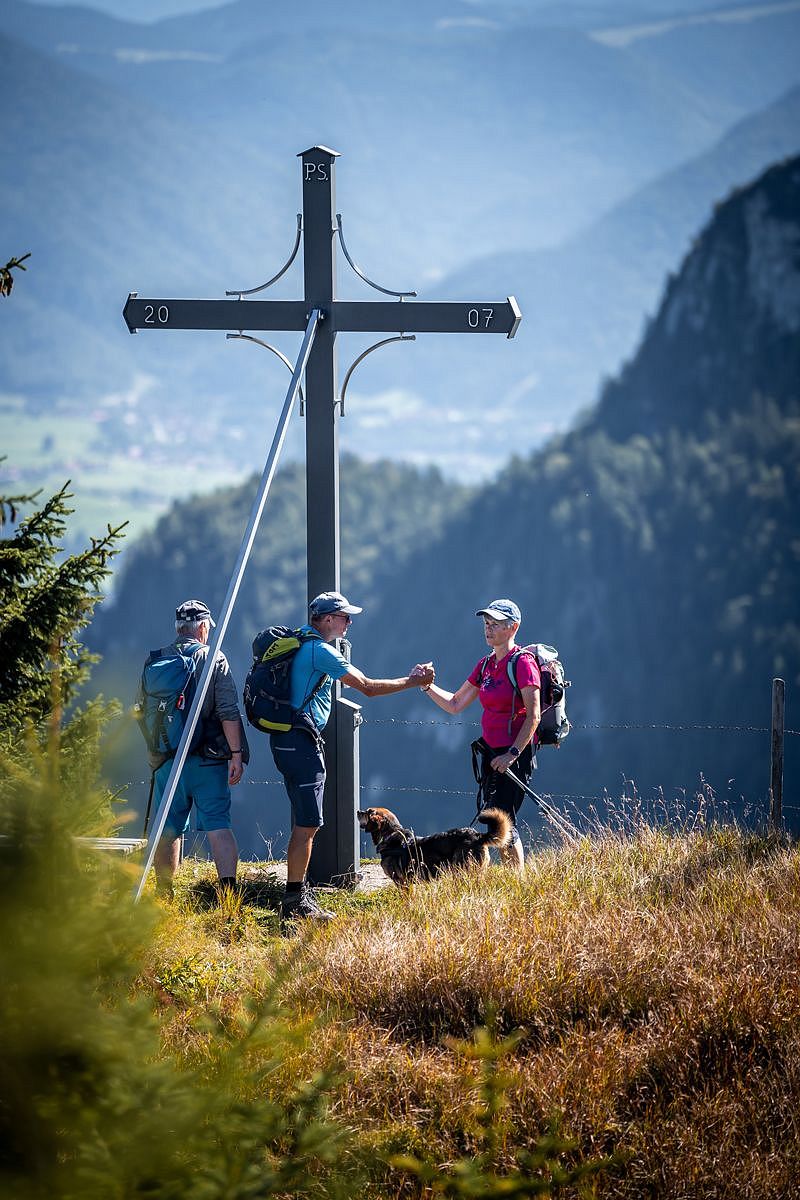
<point>411,844</point>
<point>413,848</point>
<point>556,819</point>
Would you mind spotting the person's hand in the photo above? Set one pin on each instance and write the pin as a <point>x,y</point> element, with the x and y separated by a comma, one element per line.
<point>235,768</point>
<point>504,761</point>
<point>423,674</point>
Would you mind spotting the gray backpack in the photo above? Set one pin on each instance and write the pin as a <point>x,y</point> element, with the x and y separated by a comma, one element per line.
<point>554,725</point>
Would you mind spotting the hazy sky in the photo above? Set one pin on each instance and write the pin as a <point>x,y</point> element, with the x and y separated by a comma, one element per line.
<point>140,10</point>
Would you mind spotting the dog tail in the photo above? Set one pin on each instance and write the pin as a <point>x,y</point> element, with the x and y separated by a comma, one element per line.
<point>499,831</point>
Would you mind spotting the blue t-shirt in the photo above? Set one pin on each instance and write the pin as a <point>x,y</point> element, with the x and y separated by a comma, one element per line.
<point>313,660</point>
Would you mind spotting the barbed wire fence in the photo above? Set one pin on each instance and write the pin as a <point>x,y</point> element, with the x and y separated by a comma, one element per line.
<point>581,804</point>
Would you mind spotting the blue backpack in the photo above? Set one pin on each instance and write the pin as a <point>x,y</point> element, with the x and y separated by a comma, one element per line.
<point>169,680</point>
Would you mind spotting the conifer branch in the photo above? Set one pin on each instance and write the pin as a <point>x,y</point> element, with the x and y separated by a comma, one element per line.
<point>6,278</point>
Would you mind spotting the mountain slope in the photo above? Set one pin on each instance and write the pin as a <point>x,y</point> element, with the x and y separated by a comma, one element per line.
<point>100,192</point>
<point>656,545</point>
<point>585,302</point>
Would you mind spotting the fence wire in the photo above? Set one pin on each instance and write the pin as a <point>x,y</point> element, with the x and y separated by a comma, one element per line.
<point>567,797</point>
<point>634,725</point>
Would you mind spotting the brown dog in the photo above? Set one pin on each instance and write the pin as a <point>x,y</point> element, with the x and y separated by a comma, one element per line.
<point>406,857</point>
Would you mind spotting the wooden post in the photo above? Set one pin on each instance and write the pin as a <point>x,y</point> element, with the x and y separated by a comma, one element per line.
<point>776,755</point>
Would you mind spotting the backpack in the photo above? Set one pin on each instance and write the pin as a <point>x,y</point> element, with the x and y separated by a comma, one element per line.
<point>553,725</point>
<point>268,683</point>
<point>169,680</point>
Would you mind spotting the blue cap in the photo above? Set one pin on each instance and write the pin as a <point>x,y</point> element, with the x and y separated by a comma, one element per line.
<point>331,602</point>
<point>501,610</point>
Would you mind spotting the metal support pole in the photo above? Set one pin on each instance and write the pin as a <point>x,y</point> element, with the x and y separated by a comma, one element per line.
<point>322,474</point>
<point>776,754</point>
<point>204,681</point>
<point>337,858</point>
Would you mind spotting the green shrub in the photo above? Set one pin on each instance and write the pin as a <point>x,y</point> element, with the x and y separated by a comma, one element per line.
<point>480,1174</point>
<point>90,1105</point>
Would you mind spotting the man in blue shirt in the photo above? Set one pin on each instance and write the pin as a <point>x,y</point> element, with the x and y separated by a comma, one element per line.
<point>299,753</point>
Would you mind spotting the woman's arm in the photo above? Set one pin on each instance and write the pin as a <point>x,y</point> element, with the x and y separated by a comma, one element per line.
<point>453,702</point>
<point>533,713</point>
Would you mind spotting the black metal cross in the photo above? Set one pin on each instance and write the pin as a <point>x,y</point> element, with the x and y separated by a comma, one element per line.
<point>336,848</point>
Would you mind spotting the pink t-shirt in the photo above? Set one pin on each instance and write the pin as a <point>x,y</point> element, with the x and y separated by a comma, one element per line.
<point>497,697</point>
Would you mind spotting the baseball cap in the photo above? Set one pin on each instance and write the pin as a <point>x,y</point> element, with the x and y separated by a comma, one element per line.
<point>332,602</point>
<point>194,610</point>
<point>501,610</point>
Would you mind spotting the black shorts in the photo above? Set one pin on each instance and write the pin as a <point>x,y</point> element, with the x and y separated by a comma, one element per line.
<point>299,758</point>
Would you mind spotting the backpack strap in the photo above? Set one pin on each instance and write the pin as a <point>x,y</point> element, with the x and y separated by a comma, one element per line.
<point>482,665</point>
<point>511,671</point>
<point>311,637</point>
<point>512,674</point>
<point>189,689</point>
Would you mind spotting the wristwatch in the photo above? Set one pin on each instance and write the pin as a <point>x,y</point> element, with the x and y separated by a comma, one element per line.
<point>513,750</point>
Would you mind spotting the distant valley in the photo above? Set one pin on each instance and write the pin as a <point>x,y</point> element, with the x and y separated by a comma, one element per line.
<point>477,160</point>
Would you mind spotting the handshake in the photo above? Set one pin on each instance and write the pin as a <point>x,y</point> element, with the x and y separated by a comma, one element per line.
<point>423,675</point>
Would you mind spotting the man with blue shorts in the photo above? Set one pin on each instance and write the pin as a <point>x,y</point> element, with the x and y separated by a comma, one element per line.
<point>299,753</point>
<point>205,781</point>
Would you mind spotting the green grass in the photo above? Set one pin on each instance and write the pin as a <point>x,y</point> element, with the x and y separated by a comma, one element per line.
<point>621,1020</point>
<point>651,979</point>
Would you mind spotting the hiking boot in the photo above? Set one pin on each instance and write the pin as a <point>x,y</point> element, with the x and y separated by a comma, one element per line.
<point>302,906</point>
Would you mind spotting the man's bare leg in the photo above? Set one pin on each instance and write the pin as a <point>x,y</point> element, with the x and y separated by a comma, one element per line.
<point>225,853</point>
<point>298,854</point>
<point>166,860</point>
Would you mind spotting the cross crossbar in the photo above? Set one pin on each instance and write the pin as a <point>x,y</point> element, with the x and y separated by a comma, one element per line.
<point>343,316</point>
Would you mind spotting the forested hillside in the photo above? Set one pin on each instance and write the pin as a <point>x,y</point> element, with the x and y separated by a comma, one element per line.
<point>388,512</point>
<point>656,545</point>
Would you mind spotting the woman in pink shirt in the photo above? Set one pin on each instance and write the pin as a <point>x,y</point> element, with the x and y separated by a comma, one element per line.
<point>510,715</point>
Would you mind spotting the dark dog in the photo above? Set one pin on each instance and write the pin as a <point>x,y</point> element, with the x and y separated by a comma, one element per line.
<point>406,857</point>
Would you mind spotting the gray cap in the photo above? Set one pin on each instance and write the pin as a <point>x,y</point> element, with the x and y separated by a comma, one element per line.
<point>501,610</point>
<point>194,610</point>
<point>332,602</point>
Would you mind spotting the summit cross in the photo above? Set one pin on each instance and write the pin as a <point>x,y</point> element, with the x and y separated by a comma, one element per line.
<point>336,847</point>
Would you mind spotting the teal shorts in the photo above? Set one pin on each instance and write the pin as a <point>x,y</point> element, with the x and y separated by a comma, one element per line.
<point>203,785</point>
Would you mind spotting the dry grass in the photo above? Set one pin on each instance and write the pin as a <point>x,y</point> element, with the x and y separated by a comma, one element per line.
<point>655,976</point>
